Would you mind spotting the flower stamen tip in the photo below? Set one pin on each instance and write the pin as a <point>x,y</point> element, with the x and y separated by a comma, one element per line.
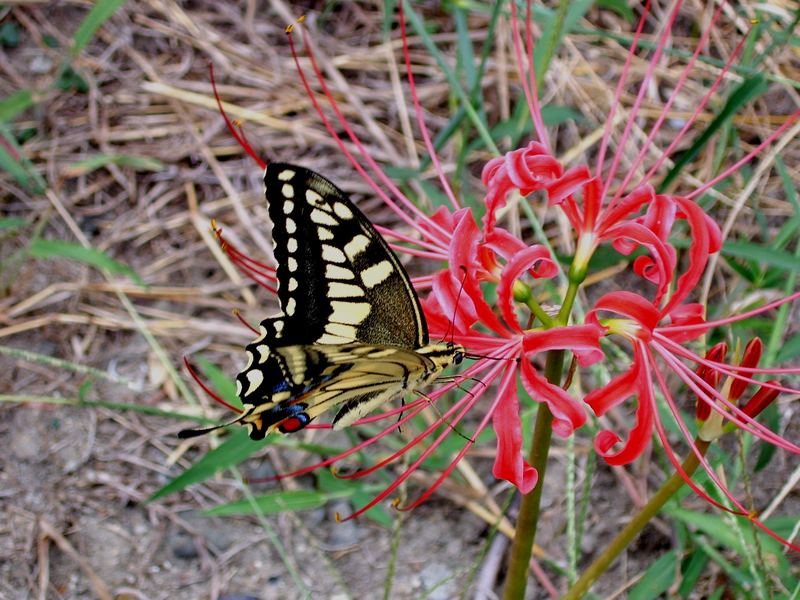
<point>290,28</point>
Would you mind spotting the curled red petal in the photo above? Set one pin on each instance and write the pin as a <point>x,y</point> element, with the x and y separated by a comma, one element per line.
<point>639,435</point>
<point>509,463</point>
<point>568,414</point>
<point>627,304</point>
<point>521,262</point>
<point>631,203</point>
<point>532,168</point>
<point>566,185</point>
<point>463,266</point>
<point>456,308</point>
<point>662,254</point>
<point>703,233</point>
<point>505,243</point>
<point>583,340</point>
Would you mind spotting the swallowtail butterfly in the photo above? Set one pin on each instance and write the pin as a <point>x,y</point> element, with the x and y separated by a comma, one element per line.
<point>351,335</point>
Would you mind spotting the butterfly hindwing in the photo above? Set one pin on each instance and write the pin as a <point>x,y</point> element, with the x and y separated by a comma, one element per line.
<point>338,281</point>
<point>306,381</point>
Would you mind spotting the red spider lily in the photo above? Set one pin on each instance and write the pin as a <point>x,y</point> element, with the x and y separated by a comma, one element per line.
<point>638,322</point>
<point>609,211</point>
<point>601,210</point>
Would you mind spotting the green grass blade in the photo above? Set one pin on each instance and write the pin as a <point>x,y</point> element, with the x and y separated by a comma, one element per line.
<point>762,254</point>
<point>100,13</point>
<point>746,92</point>
<point>12,223</point>
<point>282,501</point>
<point>89,256</point>
<point>231,452</point>
<point>12,105</point>
<point>657,579</point>
<point>13,160</point>
<point>138,163</point>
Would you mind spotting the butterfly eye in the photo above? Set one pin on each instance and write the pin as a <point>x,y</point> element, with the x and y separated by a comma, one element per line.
<point>458,357</point>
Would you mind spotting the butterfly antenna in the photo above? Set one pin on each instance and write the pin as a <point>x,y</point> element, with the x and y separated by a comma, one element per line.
<point>441,417</point>
<point>451,327</point>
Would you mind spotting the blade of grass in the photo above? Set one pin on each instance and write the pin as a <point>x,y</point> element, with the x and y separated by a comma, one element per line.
<point>746,92</point>
<point>147,410</point>
<point>90,256</point>
<point>12,105</point>
<point>138,163</point>
<point>99,14</point>
<point>13,160</point>
<point>67,365</point>
<point>229,453</point>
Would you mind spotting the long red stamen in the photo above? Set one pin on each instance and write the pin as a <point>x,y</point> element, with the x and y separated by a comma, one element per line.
<point>240,139</point>
<point>741,510</point>
<point>687,70</point>
<point>531,97</point>
<point>244,322</point>
<point>214,396</point>
<point>446,417</point>
<point>443,239</point>
<point>422,458</point>
<point>601,155</point>
<point>437,166</point>
<point>714,399</point>
<point>665,154</point>
<point>632,114</point>
<point>750,156</point>
<point>730,319</point>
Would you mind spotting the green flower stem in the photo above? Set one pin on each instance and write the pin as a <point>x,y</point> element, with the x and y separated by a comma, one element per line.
<point>525,533</point>
<point>632,529</point>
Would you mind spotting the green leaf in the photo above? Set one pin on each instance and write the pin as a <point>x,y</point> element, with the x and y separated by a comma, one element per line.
<point>756,252</point>
<point>138,163</point>
<point>100,13</point>
<point>90,256</point>
<point>790,349</point>
<point>620,7</point>
<point>9,35</point>
<point>12,105</point>
<point>12,223</point>
<point>231,452</point>
<point>70,80</point>
<point>691,570</point>
<point>657,579</point>
<point>13,160</point>
<point>220,382</point>
<point>750,89</point>
<point>283,501</point>
<point>719,529</point>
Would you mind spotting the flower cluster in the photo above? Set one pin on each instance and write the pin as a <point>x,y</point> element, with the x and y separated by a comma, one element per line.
<point>481,290</point>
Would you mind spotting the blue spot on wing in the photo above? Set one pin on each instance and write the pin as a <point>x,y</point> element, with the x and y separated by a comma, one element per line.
<point>281,386</point>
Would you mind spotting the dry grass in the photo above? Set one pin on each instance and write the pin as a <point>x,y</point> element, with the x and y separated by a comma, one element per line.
<point>74,479</point>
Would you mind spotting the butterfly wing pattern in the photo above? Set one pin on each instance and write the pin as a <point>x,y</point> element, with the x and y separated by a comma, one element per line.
<point>351,333</point>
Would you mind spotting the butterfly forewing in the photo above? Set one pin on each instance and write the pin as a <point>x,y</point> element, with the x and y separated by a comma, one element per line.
<point>338,281</point>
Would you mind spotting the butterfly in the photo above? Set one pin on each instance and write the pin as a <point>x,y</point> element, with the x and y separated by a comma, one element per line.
<point>351,335</point>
